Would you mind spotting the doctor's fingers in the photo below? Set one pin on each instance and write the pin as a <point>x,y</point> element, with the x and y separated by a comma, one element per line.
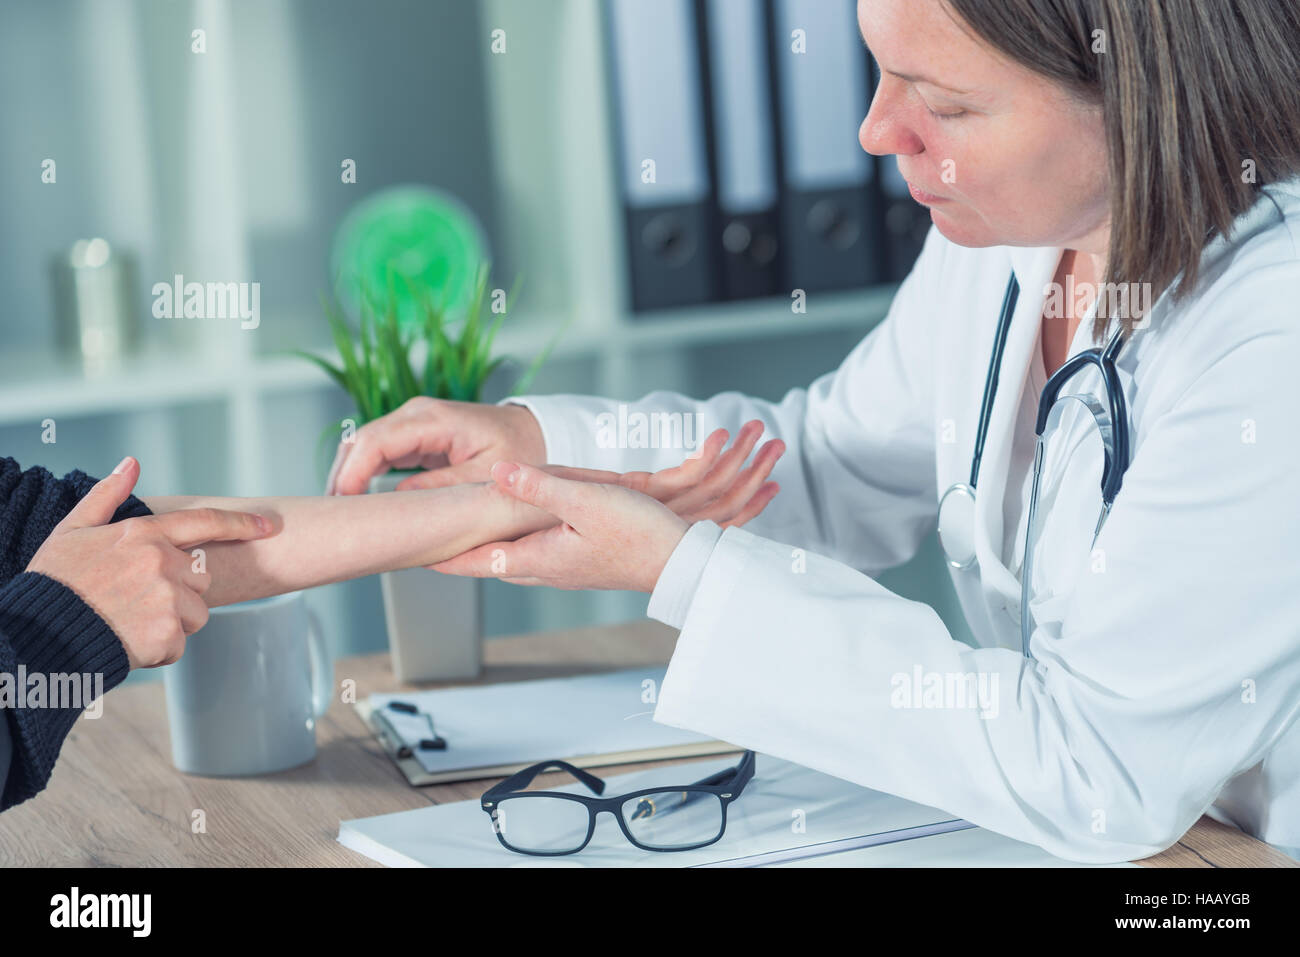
<point>576,503</point>
<point>574,474</point>
<point>396,441</point>
<point>520,562</point>
<point>478,562</point>
<point>470,472</point>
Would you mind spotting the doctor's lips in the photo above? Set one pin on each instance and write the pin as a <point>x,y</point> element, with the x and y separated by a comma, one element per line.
<point>924,198</point>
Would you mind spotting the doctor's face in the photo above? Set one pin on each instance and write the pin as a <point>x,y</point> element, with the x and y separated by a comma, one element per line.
<point>1000,155</point>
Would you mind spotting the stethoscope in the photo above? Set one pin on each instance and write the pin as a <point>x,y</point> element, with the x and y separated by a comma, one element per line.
<point>957,506</point>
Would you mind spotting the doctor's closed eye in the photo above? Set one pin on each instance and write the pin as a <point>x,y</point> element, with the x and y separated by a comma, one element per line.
<point>931,92</point>
<point>941,105</point>
<point>935,105</point>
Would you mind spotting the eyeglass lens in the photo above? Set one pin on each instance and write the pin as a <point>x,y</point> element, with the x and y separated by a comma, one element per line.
<point>666,820</point>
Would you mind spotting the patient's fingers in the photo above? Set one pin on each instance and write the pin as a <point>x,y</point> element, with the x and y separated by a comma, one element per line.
<point>671,482</point>
<point>188,527</point>
<point>720,477</point>
<point>755,506</point>
<point>733,499</point>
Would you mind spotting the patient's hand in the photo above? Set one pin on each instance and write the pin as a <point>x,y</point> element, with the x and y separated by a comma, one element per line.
<point>708,487</point>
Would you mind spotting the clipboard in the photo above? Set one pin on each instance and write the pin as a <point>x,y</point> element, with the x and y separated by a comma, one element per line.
<point>494,730</point>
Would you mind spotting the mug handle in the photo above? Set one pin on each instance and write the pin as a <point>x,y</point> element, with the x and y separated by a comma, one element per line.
<point>322,669</point>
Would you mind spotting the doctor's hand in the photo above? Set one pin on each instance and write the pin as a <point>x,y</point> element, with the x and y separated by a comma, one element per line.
<point>606,536</point>
<point>456,441</point>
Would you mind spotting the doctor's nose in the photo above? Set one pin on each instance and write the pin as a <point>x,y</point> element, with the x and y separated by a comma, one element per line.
<point>884,130</point>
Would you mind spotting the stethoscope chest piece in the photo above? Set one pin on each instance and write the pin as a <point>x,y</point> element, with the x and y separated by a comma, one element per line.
<point>957,525</point>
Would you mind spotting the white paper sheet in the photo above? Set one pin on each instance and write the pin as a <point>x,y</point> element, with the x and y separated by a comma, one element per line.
<point>973,847</point>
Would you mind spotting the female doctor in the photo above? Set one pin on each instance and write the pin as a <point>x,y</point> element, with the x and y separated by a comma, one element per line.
<point>1156,677</point>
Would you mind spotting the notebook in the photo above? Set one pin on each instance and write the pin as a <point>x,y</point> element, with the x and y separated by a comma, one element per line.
<point>494,730</point>
<point>788,812</point>
<point>969,847</point>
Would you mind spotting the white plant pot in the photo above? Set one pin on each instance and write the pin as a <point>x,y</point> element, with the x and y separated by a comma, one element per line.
<point>435,621</point>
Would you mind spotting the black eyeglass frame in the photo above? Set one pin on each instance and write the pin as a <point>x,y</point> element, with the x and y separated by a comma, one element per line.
<point>726,785</point>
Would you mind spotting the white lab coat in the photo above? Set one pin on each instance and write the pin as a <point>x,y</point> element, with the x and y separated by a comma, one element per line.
<point>1166,671</point>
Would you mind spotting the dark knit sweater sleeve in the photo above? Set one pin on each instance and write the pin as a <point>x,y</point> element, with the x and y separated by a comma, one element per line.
<point>45,627</point>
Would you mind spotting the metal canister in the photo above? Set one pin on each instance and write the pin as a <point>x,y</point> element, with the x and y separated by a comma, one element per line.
<point>94,295</point>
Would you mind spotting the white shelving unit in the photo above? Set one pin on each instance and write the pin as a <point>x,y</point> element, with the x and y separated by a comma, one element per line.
<point>211,398</point>
<point>560,221</point>
<point>39,386</point>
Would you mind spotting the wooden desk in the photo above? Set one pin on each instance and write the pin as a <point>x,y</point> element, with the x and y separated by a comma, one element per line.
<point>116,800</point>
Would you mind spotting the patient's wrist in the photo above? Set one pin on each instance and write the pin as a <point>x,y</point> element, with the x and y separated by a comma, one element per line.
<point>520,518</point>
<point>494,516</point>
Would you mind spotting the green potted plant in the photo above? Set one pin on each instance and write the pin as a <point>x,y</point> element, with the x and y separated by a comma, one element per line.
<point>434,621</point>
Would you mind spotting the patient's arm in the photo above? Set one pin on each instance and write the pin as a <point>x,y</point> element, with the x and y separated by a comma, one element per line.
<point>320,540</point>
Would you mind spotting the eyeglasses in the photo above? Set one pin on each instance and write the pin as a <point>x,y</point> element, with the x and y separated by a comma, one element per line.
<point>549,823</point>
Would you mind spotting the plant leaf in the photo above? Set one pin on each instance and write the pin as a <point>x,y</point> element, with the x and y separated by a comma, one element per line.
<point>379,364</point>
<point>353,374</point>
<point>333,371</point>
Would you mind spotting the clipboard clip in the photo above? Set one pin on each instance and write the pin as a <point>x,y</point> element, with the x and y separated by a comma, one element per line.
<point>434,741</point>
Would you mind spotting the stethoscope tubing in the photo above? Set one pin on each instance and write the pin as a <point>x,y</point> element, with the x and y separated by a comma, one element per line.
<point>1117,450</point>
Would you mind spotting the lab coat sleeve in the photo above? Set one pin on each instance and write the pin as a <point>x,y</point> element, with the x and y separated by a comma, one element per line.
<point>858,476</point>
<point>1174,666</point>
<point>675,590</point>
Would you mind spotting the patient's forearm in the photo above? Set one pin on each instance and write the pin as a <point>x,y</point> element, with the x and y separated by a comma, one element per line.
<point>326,539</point>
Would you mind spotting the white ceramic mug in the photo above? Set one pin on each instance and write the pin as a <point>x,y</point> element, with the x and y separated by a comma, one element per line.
<point>245,696</point>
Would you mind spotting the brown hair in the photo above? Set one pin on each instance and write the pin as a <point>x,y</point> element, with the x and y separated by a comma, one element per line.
<point>1194,94</point>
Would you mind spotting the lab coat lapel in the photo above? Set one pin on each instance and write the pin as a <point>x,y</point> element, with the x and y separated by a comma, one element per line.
<point>1034,269</point>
